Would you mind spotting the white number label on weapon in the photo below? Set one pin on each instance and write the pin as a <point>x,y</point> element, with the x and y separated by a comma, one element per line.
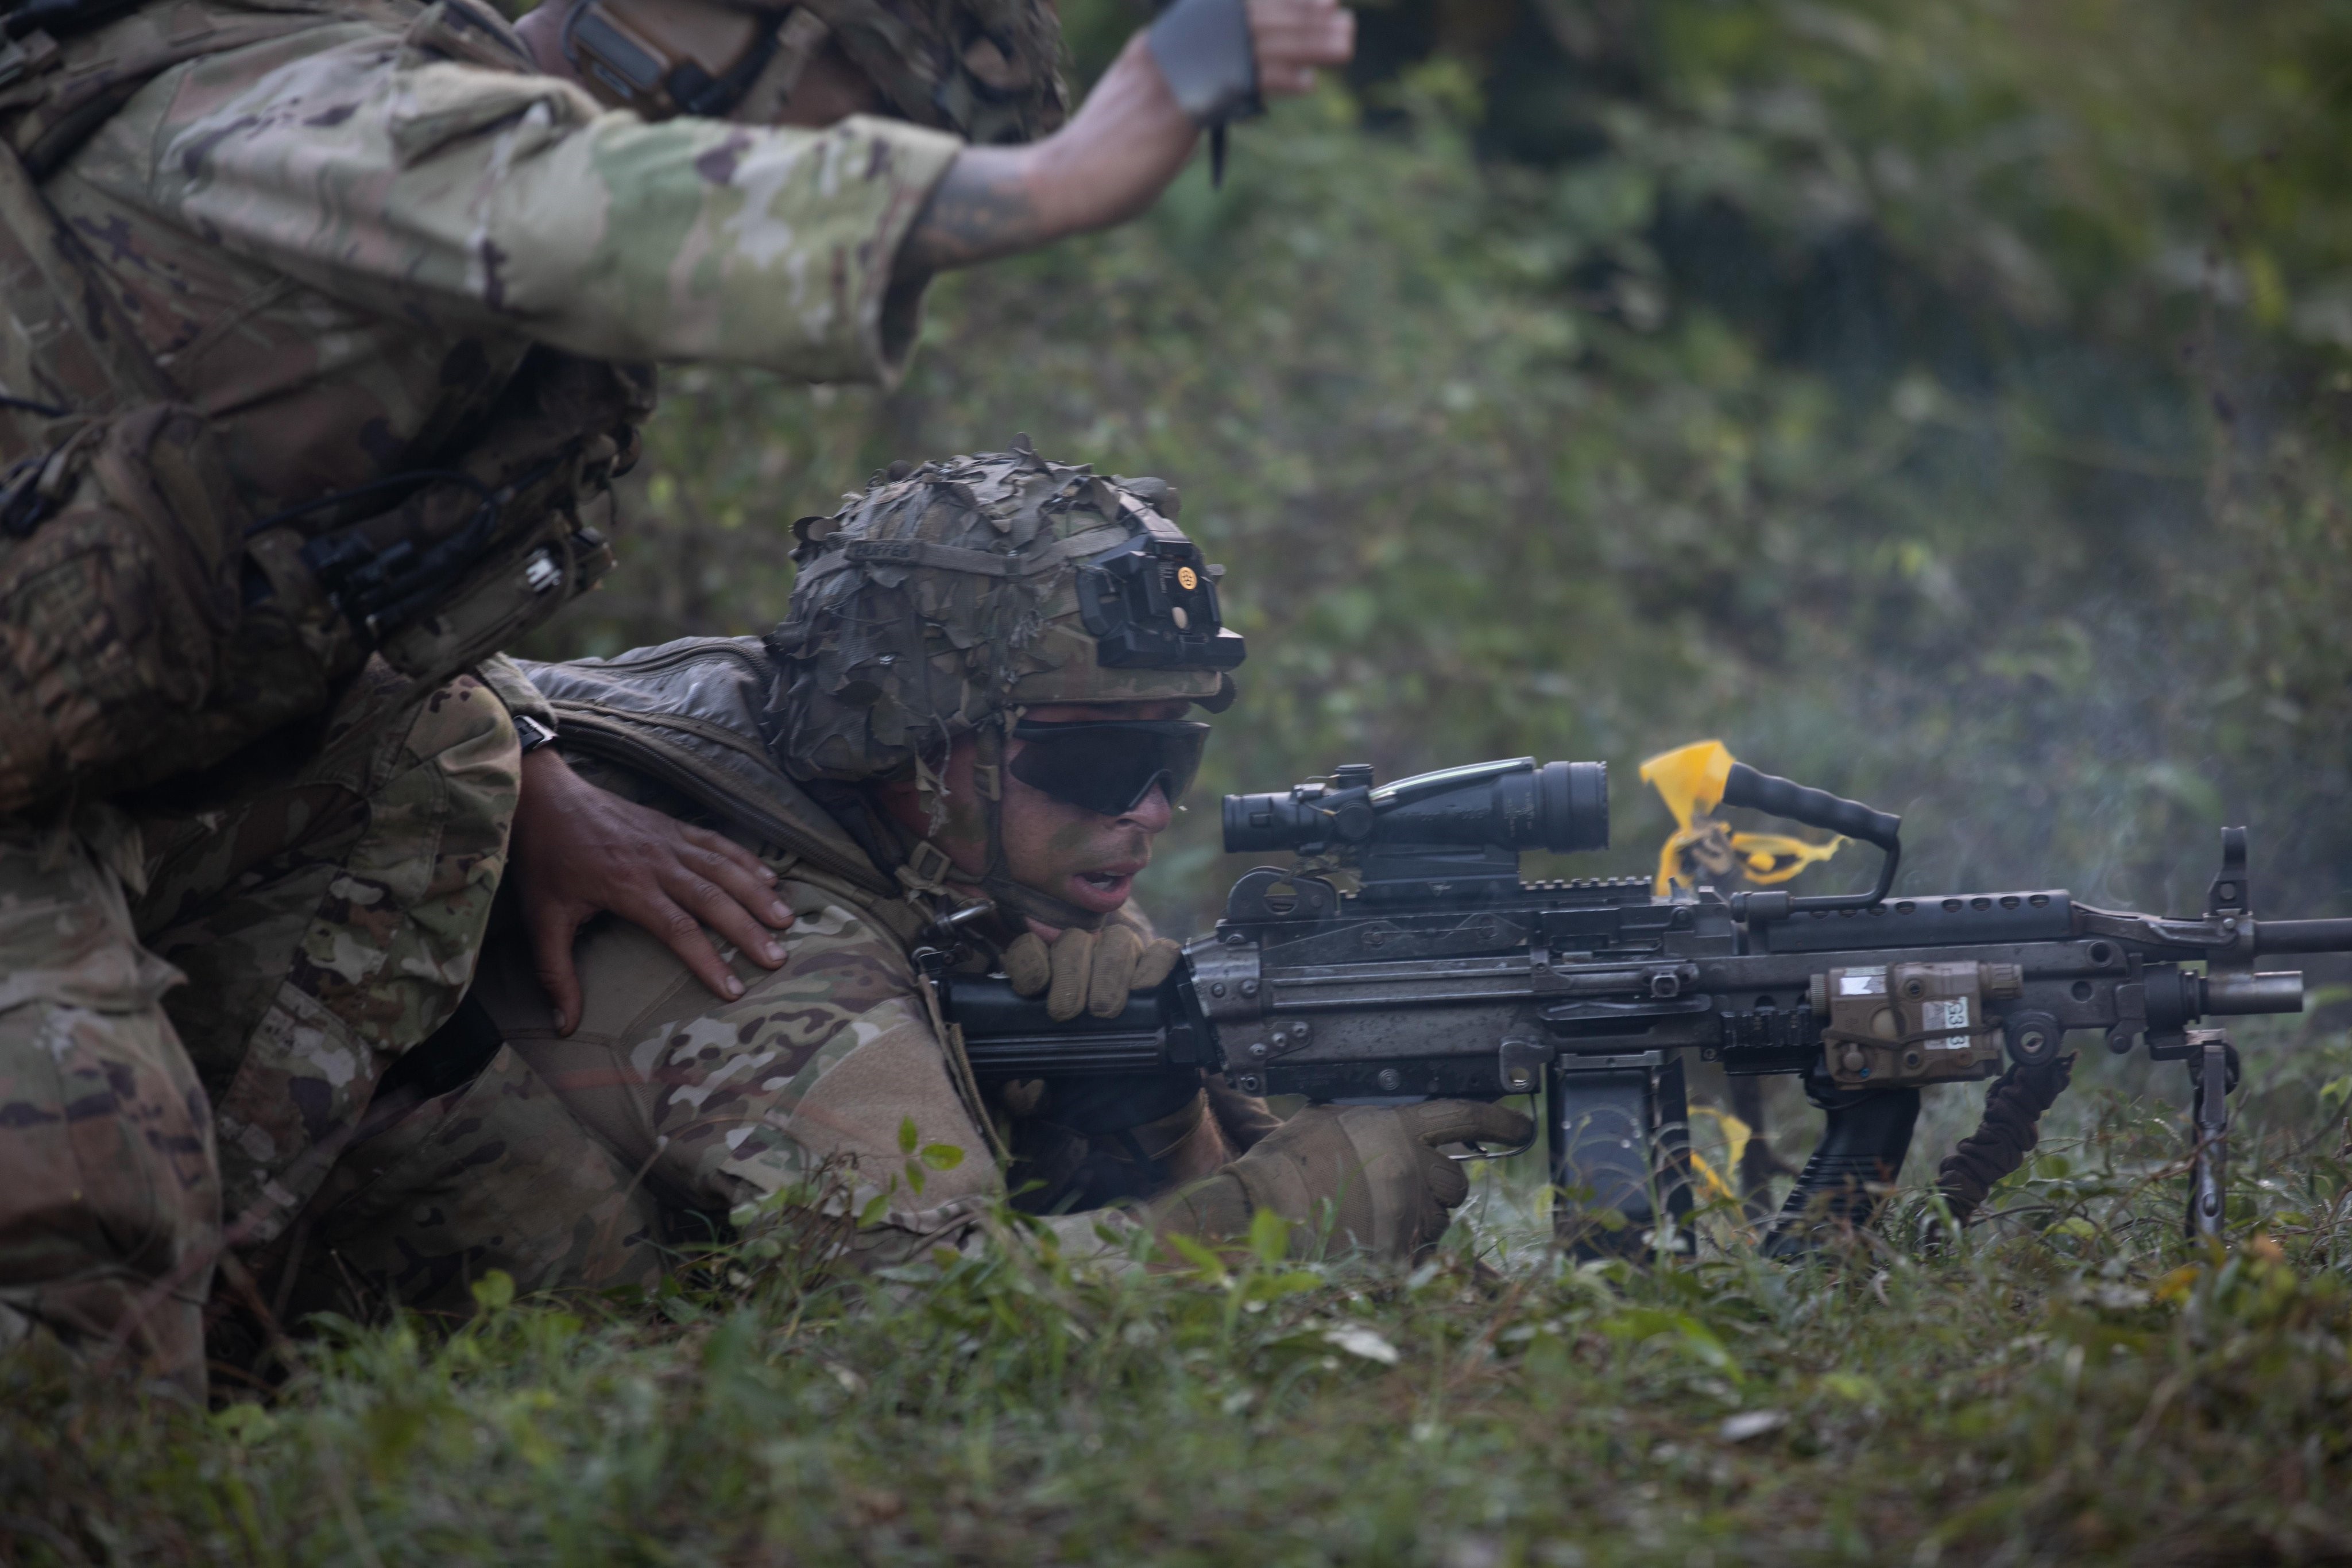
<point>1948,1014</point>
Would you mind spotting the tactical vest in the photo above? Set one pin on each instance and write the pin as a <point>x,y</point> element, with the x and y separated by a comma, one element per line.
<point>686,714</point>
<point>149,626</point>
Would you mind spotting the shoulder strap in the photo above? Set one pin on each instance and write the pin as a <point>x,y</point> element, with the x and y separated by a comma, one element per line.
<point>633,740</point>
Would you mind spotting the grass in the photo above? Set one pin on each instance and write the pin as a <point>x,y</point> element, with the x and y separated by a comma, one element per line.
<point>2075,1382</point>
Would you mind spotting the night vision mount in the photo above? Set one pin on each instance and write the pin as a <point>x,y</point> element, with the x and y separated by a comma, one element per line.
<point>1151,604</point>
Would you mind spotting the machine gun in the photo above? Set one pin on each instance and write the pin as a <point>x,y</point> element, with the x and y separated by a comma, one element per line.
<point>1442,973</point>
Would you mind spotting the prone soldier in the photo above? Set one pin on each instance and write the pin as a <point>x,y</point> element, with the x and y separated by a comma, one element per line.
<point>318,344</point>
<point>972,721</point>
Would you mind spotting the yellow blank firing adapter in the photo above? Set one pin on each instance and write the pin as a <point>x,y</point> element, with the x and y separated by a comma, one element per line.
<point>1690,779</point>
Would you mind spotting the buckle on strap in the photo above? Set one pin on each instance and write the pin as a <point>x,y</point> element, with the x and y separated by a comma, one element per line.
<point>926,869</point>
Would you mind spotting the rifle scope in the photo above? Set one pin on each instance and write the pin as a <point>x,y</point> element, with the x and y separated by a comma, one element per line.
<point>1508,805</point>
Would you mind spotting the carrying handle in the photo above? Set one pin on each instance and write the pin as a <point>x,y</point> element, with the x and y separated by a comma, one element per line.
<point>1814,808</point>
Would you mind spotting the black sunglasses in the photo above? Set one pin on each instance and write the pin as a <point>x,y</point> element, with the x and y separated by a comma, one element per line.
<point>1109,767</point>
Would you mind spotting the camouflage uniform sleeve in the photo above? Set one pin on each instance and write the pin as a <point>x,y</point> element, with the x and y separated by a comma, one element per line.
<point>512,686</point>
<point>467,199</point>
<point>805,1091</point>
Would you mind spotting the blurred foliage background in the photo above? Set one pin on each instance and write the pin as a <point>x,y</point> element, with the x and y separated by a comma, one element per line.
<point>1947,405</point>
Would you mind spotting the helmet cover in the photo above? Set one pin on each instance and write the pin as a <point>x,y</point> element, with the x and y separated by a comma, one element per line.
<point>967,590</point>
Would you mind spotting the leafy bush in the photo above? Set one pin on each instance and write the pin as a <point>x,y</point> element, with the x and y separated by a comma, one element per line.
<point>2073,1384</point>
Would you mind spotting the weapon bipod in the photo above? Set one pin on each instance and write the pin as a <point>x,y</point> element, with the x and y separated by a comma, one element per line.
<point>2212,1064</point>
<point>1619,1141</point>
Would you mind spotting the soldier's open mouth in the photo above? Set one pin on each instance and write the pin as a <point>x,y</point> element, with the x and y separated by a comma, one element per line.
<point>1101,891</point>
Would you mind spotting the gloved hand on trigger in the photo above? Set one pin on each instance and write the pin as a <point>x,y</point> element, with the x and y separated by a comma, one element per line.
<point>1090,971</point>
<point>1389,1187</point>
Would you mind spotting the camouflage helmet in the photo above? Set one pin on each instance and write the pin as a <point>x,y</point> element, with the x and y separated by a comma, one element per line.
<point>953,595</point>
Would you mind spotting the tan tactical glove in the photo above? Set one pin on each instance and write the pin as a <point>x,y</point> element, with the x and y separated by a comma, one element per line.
<point>1389,1187</point>
<point>1090,971</point>
<point>1244,1118</point>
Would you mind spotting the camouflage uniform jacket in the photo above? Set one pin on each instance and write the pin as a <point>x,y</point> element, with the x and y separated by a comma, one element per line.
<point>340,237</point>
<point>731,1105</point>
<point>829,1089</point>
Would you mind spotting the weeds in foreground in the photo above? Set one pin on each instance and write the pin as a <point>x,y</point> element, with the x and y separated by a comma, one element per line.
<point>2074,1382</point>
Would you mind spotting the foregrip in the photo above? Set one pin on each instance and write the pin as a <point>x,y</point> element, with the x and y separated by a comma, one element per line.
<point>1864,1145</point>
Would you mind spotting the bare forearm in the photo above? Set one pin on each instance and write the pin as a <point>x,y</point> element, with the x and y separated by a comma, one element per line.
<point>985,207</point>
<point>1108,164</point>
<point>1128,141</point>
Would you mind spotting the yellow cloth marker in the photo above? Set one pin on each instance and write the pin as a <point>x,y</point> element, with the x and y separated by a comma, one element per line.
<point>1690,779</point>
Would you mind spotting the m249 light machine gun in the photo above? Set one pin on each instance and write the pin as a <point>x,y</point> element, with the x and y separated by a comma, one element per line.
<point>1443,973</point>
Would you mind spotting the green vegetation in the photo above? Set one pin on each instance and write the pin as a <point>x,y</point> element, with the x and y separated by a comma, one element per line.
<point>1945,404</point>
<point>2074,1385</point>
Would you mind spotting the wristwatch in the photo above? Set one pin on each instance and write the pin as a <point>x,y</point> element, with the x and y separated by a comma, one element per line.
<point>533,733</point>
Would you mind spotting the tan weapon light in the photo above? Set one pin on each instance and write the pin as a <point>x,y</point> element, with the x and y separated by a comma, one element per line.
<point>1913,1023</point>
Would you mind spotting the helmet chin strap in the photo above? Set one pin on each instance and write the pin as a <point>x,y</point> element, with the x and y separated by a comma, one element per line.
<point>997,881</point>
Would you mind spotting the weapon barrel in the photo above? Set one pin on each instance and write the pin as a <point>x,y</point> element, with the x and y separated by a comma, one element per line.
<point>2303,936</point>
<point>2266,993</point>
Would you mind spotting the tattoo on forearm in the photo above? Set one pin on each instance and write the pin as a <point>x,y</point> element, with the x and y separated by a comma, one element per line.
<point>981,210</point>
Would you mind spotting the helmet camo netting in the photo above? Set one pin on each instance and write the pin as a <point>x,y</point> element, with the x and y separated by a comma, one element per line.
<point>951,595</point>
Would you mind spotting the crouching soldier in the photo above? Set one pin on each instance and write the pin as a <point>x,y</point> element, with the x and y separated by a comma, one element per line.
<point>975,713</point>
